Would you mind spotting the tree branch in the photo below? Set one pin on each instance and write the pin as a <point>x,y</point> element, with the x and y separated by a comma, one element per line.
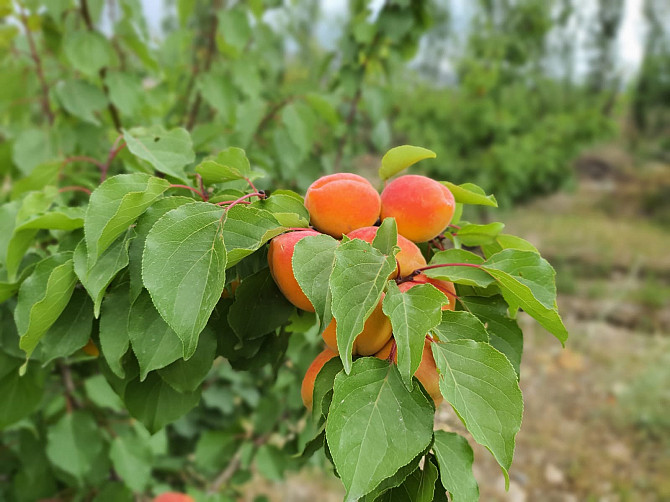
<point>46,108</point>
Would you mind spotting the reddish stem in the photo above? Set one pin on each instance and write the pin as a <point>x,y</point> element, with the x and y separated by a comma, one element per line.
<point>251,184</point>
<point>392,352</point>
<point>202,186</point>
<point>112,154</point>
<point>74,188</point>
<point>298,229</point>
<point>194,190</point>
<point>233,203</point>
<point>46,108</point>
<point>454,226</point>
<point>439,265</point>
<point>81,158</point>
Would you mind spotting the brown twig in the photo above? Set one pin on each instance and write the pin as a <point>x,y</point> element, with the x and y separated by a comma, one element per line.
<point>113,152</point>
<point>46,108</point>
<point>270,115</point>
<point>209,55</point>
<point>232,467</point>
<point>114,113</point>
<point>71,402</point>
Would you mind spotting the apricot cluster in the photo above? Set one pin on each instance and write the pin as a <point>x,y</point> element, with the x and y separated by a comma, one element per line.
<point>347,204</point>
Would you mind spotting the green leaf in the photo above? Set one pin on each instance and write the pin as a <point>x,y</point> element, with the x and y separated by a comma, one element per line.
<point>63,218</point>
<point>396,480</point>
<point>413,314</point>
<point>419,486</point>
<point>386,237</point>
<point>125,91</point>
<point>219,93</point>
<point>259,307</point>
<point>356,284</point>
<point>71,330</point>
<point>215,449</point>
<point>504,332</point>
<point>375,425</point>
<point>114,341</point>
<point>507,241</point>
<point>88,51</point>
<point>313,261</point>
<point>528,281</point>
<point>167,151</point>
<point>31,148</point>
<point>101,393</point>
<point>298,125</point>
<point>323,387</point>
<point>469,193</point>
<point>401,157</point>
<point>155,403</point>
<point>184,268</point>
<point>20,394</point>
<point>74,443</point>
<point>322,106</point>
<point>132,460</point>
<point>42,298</point>
<point>186,376</point>
<point>81,99</point>
<point>114,205</point>
<point>142,228</point>
<point>100,275</point>
<point>233,31</point>
<point>287,209</point>
<point>42,175</point>
<point>470,276</point>
<point>460,326</point>
<point>481,385</point>
<point>455,458</point>
<point>228,165</point>
<point>246,229</point>
<point>154,343</point>
<point>477,235</point>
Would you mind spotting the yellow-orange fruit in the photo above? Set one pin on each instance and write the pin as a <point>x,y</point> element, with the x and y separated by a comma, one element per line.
<point>376,332</point>
<point>173,497</point>
<point>233,287</point>
<point>409,257</point>
<point>280,256</point>
<point>446,287</point>
<point>307,389</point>
<point>422,207</point>
<point>91,349</point>
<point>426,373</point>
<point>342,202</point>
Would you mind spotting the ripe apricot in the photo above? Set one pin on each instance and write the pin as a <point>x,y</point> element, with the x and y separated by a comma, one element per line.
<point>426,373</point>
<point>91,349</point>
<point>342,202</point>
<point>446,287</point>
<point>376,332</point>
<point>409,258</point>
<point>280,255</point>
<point>422,207</point>
<point>307,388</point>
<point>173,497</point>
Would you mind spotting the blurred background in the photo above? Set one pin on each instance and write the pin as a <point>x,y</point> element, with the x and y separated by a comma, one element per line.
<point>561,108</point>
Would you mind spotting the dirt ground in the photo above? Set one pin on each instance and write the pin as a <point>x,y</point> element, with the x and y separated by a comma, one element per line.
<point>596,423</point>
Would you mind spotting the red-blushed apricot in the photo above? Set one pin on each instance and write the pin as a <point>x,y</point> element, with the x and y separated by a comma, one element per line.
<point>376,332</point>
<point>280,255</point>
<point>426,373</point>
<point>446,287</point>
<point>422,207</point>
<point>307,388</point>
<point>173,497</point>
<point>409,258</point>
<point>91,349</point>
<point>342,202</point>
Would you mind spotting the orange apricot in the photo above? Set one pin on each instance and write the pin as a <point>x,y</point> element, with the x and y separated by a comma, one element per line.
<point>376,332</point>
<point>307,388</point>
<point>91,349</point>
<point>409,257</point>
<point>342,202</point>
<point>280,256</point>
<point>447,288</point>
<point>233,287</point>
<point>173,497</point>
<point>426,373</point>
<point>422,207</point>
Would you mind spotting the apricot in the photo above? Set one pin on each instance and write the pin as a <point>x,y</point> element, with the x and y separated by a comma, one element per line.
<point>234,284</point>
<point>409,257</point>
<point>91,349</point>
<point>342,202</point>
<point>376,332</point>
<point>426,373</point>
<point>422,207</point>
<point>447,288</point>
<point>173,497</point>
<point>280,256</point>
<point>307,388</point>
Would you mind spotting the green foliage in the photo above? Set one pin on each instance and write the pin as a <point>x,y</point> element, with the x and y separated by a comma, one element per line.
<point>143,341</point>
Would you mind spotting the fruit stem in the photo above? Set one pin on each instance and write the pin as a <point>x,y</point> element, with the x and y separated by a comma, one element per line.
<point>251,184</point>
<point>202,186</point>
<point>260,194</point>
<point>194,190</point>
<point>74,188</point>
